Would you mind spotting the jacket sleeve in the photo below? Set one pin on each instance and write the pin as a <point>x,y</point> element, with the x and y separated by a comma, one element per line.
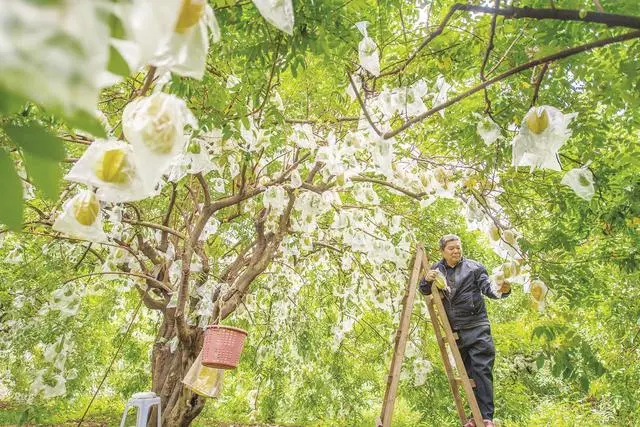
<point>425,287</point>
<point>487,286</point>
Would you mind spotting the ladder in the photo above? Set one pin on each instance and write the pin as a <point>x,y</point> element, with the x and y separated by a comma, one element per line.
<point>446,338</point>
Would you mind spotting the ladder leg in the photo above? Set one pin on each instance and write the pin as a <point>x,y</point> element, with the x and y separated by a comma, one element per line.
<point>464,378</point>
<point>400,342</point>
<point>445,359</point>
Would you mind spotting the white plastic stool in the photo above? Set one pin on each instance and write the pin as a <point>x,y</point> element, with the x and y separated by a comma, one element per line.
<point>144,402</point>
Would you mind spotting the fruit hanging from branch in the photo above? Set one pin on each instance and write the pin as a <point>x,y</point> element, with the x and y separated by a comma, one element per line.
<point>86,208</point>
<point>537,120</point>
<point>111,167</point>
<point>190,13</point>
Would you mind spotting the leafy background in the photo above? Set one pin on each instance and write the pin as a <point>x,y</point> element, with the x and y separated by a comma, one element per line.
<point>576,363</point>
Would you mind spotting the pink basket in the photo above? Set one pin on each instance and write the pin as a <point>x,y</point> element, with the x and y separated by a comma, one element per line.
<point>222,346</point>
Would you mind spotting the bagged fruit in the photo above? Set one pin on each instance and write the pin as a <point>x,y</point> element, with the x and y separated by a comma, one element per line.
<point>81,218</point>
<point>154,125</point>
<point>368,51</point>
<point>109,165</point>
<point>278,13</point>
<point>581,182</point>
<point>203,380</point>
<point>185,51</point>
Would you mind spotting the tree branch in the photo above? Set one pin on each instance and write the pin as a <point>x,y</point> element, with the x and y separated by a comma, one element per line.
<point>155,282</point>
<point>609,19</point>
<point>550,58</point>
<point>147,81</point>
<point>490,46</point>
<point>506,52</point>
<point>361,102</point>
<point>430,37</point>
<point>262,255</point>
<point>598,5</point>
<point>155,226</point>
<point>537,84</point>
<point>164,238</point>
<point>390,185</point>
<point>205,188</point>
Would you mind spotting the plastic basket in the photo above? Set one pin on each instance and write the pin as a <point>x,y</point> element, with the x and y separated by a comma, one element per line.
<point>222,346</point>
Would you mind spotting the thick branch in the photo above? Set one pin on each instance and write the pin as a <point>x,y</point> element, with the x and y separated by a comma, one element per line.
<point>262,255</point>
<point>550,58</point>
<point>609,19</point>
<point>205,188</point>
<point>312,173</point>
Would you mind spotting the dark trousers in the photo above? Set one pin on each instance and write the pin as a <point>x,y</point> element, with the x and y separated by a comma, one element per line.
<point>478,353</point>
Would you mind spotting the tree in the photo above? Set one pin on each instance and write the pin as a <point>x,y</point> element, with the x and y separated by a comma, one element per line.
<point>282,164</point>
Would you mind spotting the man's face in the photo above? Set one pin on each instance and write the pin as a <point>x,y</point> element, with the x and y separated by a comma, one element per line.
<point>452,252</point>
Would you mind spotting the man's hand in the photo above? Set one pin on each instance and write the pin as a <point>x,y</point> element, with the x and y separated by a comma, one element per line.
<point>504,286</point>
<point>431,275</point>
<point>437,277</point>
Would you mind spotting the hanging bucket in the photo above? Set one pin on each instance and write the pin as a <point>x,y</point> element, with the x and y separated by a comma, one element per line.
<point>222,346</point>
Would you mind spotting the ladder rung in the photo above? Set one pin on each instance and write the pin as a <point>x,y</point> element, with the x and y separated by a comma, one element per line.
<point>471,381</point>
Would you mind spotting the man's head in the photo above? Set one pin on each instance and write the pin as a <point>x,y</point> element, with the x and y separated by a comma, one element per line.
<point>451,249</point>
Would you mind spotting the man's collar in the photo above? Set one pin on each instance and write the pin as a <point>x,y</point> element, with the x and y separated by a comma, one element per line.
<point>444,262</point>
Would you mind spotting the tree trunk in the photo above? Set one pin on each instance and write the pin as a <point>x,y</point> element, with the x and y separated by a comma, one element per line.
<point>180,406</point>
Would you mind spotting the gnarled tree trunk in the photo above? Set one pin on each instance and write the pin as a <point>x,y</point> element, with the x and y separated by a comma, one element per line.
<point>180,406</point>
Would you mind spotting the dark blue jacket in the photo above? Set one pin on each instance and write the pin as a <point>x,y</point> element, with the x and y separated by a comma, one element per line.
<point>464,303</point>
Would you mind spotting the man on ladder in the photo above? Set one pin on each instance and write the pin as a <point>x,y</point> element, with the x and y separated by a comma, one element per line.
<point>466,282</point>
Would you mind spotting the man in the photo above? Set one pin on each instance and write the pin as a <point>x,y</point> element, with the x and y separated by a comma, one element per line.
<point>467,281</point>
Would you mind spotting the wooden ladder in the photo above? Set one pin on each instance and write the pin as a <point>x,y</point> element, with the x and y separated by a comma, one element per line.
<point>446,338</point>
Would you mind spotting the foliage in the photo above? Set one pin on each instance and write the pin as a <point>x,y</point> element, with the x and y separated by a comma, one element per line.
<point>301,221</point>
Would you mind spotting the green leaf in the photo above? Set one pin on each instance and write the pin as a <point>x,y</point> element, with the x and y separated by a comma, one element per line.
<point>117,64</point>
<point>116,27</point>
<point>84,121</point>
<point>584,383</point>
<point>10,103</point>
<point>42,154</point>
<point>244,119</point>
<point>44,173</point>
<point>10,193</point>
<point>35,140</point>
<point>540,361</point>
